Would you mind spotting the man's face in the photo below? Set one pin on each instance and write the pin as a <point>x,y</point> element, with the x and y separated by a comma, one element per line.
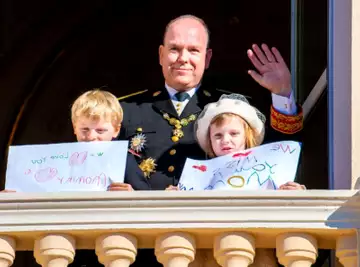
<point>88,130</point>
<point>184,55</point>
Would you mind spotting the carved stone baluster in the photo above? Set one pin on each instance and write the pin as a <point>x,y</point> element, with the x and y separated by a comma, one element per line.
<point>116,250</point>
<point>54,250</point>
<point>7,251</point>
<point>175,249</point>
<point>296,250</point>
<point>235,249</point>
<point>347,250</point>
<point>204,258</point>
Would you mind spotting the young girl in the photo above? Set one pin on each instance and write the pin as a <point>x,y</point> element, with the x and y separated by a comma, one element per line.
<point>227,126</point>
<point>232,125</point>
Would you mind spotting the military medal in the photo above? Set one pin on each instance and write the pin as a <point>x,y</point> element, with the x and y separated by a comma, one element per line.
<point>148,166</point>
<point>177,132</point>
<point>137,143</point>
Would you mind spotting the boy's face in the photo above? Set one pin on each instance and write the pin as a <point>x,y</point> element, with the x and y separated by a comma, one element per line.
<point>88,130</point>
<point>228,137</point>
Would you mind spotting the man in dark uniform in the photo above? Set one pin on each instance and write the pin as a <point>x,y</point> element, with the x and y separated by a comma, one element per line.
<point>159,123</point>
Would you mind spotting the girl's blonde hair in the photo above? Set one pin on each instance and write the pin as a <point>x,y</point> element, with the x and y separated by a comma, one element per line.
<point>219,120</point>
<point>97,104</point>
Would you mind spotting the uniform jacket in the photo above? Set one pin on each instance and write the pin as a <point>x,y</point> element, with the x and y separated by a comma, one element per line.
<point>134,175</point>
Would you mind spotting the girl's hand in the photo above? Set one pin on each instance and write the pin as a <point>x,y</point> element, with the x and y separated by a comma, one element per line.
<point>172,188</point>
<point>292,186</point>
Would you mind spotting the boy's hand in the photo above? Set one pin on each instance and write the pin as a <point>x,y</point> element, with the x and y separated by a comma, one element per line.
<point>120,187</point>
<point>172,188</point>
<point>292,186</point>
<point>7,191</point>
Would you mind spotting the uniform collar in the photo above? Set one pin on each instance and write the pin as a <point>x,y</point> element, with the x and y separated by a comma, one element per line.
<point>171,91</point>
<point>163,102</point>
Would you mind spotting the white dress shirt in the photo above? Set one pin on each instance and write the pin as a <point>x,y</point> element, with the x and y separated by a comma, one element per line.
<point>179,106</point>
<point>283,104</point>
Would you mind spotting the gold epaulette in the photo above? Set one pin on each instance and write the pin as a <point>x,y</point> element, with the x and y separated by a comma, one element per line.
<point>132,94</point>
<point>287,124</point>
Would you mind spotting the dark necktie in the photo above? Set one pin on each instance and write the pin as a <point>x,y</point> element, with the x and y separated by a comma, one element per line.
<point>182,96</point>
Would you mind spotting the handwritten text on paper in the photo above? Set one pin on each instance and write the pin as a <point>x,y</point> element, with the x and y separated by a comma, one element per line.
<point>82,166</point>
<point>264,167</point>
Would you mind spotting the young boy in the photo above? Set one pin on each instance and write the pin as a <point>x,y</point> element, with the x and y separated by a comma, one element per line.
<point>96,115</point>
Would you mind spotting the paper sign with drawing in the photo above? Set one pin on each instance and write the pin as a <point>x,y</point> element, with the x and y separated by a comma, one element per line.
<point>263,167</point>
<point>80,166</point>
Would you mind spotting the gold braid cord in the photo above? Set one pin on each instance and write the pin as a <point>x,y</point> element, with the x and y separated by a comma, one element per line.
<point>287,124</point>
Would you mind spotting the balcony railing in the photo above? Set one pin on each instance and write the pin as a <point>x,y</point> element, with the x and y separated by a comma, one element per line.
<point>230,224</point>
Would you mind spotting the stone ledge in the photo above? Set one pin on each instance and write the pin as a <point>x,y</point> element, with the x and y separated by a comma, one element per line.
<point>326,214</point>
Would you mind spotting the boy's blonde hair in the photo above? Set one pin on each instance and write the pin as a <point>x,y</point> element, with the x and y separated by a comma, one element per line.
<point>97,104</point>
<point>219,120</point>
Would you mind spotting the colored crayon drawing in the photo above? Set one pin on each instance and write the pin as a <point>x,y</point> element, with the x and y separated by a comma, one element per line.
<point>44,175</point>
<point>264,167</point>
<point>77,166</point>
<point>77,158</point>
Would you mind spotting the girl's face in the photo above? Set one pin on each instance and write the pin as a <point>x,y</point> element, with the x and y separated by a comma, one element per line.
<point>228,136</point>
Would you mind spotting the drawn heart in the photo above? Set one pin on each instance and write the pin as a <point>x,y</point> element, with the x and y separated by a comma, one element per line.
<point>241,154</point>
<point>44,175</point>
<point>202,168</point>
<point>77,158</point>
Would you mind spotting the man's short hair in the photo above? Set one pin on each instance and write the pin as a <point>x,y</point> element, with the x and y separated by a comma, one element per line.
<point>202,22</point>
<point>97,104</point>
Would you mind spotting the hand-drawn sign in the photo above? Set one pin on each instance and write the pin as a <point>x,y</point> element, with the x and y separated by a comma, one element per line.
<point>78,166</point>
<point>264,167</point>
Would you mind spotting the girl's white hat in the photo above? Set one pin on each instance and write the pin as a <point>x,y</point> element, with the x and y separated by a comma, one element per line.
<point>236,104</point>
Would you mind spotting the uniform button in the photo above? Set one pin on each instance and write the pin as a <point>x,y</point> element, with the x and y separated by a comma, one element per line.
<point>172,152</point>
<point>171,168</point>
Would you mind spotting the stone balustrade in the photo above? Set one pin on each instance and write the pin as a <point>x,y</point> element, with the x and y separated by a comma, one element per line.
<point>229,225</point>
